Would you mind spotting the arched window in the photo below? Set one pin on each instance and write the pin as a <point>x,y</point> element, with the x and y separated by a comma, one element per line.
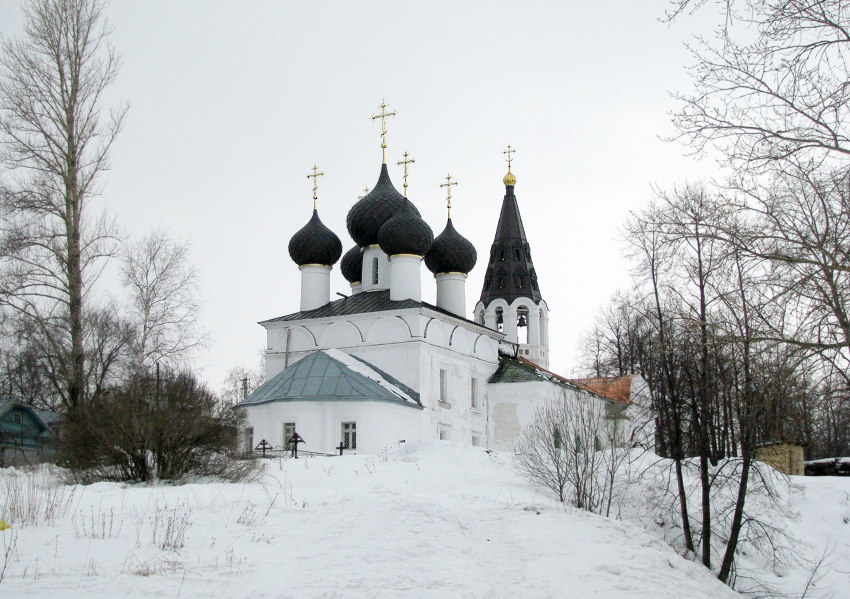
<point>500,320</point>
<point>522,325</point>
<point>374,271</point>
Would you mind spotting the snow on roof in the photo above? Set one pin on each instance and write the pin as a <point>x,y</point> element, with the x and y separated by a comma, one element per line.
<point>367,370</point>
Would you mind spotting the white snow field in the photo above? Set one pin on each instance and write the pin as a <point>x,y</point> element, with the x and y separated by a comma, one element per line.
<point>430,520</point>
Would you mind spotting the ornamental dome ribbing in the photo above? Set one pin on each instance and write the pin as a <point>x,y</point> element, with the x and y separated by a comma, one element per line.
<point>451,252</point>
<point>369,214</point>
<point>406,233</point>
<point>352,265</point>
<point>315,244</point>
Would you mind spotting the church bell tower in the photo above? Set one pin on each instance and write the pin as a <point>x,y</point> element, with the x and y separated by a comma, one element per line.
<point>510,298</point>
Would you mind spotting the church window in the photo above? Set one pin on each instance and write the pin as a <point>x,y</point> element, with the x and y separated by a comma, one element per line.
<point>517,254</point>
<point>501,281</point>
<point>519,282</point>
<point>374,271</point>
<point>476,440</point>
<point>557,441</point>
<point>288,431</point>
<point>444,387</point>
<point>444,434</point>
<point>502,254</point>
<point>474,394</point>
<point>500,320</point>
<point>18,418</point>
<point>597,444</point>
<point>349,435</point>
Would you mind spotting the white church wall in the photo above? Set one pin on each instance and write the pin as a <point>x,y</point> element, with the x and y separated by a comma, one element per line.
<point>446,392</point>
<point>379,425</point>
<point>411,347</point>
<point>512,406</point>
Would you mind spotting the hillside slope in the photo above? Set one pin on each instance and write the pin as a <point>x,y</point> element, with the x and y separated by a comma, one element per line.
<point>432,520</point>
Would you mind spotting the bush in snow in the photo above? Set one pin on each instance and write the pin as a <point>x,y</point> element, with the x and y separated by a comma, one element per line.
<point>153,428</point>
<point>570,447</point>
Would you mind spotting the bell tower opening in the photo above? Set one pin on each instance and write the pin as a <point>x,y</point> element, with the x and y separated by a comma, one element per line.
<point>522,325</point>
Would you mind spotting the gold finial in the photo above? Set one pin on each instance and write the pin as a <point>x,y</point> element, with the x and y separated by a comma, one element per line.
<point>405,162</point>
<point>365,193</point>
<point>448,185</point>
<point>509,179</point>
<point>315,177</point>
<point>383,116</point>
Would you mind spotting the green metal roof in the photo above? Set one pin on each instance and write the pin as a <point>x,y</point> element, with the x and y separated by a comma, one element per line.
<point>323,377</point>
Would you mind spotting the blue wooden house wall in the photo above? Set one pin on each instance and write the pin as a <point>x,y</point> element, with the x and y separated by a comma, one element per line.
<point>24,436</point>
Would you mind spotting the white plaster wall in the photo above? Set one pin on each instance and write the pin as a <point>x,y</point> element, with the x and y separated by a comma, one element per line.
<point>410,346</point>
<point>512,406</point>
<point>380,425</point>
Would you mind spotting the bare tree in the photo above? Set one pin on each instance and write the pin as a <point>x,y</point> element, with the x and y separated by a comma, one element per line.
<point>241,382</point>
<point>163,299</point>
<point>779,95</point>
<point>151,428</point>
<point>55,143</point>
<point>563,448</point>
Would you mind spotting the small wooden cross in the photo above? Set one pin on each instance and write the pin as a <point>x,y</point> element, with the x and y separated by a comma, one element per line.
<point>508,153</point>
<point>365,193</point>
<point>405,162</point>
<point>448,185</point>
<point>315,176</point>
<point>383,116</point>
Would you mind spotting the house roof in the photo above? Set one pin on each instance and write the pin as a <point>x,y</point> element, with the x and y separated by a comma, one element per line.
<point>617,388</point>
<point>371,301</point>
<point>6,405</point>
<point>333,375</point>
<point>359,303</point>
<point>519,370</point>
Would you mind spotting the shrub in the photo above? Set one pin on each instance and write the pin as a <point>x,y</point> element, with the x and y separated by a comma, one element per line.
<point>153,428</point>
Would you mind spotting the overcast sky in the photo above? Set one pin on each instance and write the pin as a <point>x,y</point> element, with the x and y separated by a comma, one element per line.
<point>231,103</point>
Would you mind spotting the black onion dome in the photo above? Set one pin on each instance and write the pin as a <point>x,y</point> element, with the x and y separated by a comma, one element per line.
<point>352,265</point>
<point>369,214</point>
<point>315,244</point>
<point>451,252</point>
<point>406,233</point>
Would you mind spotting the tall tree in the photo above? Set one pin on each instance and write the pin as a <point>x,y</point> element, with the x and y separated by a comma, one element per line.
<point>772,84</point>
<point>163,299</point>
<point>55,142</point>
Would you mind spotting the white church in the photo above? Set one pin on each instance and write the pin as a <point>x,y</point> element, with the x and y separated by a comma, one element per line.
<point>380,367</point>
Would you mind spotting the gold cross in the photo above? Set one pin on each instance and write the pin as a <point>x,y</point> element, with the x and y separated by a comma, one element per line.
<point>365,193</point>
<point>383,116</point>
<point>405,162</point>
<point>448,185</point>
<point>508,153</point>
<point>315,177</point>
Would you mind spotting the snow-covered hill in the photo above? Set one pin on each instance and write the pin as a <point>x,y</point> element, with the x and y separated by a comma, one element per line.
<point>432,520</point>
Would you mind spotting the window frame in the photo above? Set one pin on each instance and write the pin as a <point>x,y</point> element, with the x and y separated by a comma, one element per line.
<point>348,437</point>
<point>443,388</point>
<point>287,446</point>
<point>474,394</point>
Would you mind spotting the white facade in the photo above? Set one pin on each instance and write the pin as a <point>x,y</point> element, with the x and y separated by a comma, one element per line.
<point>431,352</point>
